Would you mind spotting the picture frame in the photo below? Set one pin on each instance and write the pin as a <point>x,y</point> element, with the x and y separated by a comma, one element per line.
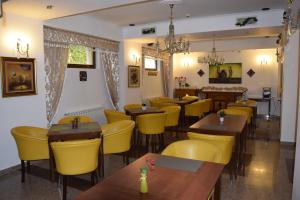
<point>133,76</point>
<point>18,76</point>
<point>226,73</point>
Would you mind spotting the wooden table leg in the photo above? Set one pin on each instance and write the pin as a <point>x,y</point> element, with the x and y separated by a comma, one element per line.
<point>217,195</point>
<point>51,162</point>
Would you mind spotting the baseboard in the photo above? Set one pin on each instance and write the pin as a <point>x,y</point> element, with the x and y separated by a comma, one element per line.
<point>10,169</point>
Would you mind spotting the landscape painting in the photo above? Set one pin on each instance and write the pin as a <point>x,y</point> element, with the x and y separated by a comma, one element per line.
<point>230,73</point>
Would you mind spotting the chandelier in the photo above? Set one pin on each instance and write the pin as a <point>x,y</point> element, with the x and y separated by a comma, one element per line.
<point>213,58</point>
<point>171,45</point>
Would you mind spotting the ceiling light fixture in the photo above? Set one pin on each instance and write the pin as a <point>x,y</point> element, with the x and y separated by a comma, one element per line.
<point>171,45</point>
<point>213,58</point>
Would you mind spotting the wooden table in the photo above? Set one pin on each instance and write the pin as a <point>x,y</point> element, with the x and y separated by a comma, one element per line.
<point>134,112</point>
<point>181,92</point>
<point>233,125</point>
<point>220,98</point>
<point>163,183</point>
<point>64,132</point>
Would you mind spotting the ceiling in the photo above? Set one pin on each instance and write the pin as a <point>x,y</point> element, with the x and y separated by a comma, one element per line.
<point>124,12</point>
<point>154,11</point>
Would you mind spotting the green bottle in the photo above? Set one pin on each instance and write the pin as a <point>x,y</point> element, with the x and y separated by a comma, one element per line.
<point>143,180</point>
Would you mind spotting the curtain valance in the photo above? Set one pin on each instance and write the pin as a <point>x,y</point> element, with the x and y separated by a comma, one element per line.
<point>63,37</point>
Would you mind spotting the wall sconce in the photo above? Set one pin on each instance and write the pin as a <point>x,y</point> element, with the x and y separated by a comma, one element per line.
<point>22,50</point>
<point>135,59</point>
<point>263,60</point>
<point>187,62</point>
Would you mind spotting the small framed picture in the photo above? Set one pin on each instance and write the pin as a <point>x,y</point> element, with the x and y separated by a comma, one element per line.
<point>18,76</point>
<point>133,76</point>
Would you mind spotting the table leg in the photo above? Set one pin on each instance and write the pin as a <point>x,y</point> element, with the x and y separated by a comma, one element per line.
<point>51,162</point>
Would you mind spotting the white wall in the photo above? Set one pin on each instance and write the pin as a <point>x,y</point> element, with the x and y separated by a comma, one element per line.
<point>265,74</point>
<point>87,25</point>
<point>152,85</point>
<point>289,94</point>
<point>24,110</point>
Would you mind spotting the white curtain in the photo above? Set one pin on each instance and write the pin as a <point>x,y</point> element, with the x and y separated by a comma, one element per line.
<point>56,58</point>
<point>109,62</point>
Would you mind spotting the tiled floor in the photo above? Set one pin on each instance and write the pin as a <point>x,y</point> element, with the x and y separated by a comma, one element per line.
<point>268,173</point>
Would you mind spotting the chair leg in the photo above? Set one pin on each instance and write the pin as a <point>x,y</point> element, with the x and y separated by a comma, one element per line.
<point>64,187</point>
<point>127,157</point>
<point>93,176</point>
<point>28,166</point>
<point>147,143</point>
<point>23,171</point>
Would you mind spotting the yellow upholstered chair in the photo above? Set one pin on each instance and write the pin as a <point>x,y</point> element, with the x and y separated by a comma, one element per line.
<point>224,143</point>
<point>160,101</point>
<point>195,109</point>
<point>152,125</point>
<point>193,149</point>
<point>69,119</point>
<point>187,97</point>
<point>117,137</point>
<point>173,113</point>
<point>247,102</point>
<point>114,116</point>
<point>76,157</point>
<point>32,144</point>
<point>128,106</point>
<point>208,105</point>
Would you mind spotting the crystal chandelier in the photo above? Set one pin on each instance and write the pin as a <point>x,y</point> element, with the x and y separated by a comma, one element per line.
<point>171,44</point>
<point>213,58</point>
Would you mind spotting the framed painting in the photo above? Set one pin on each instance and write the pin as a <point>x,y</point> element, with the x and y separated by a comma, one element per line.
<point>230,73</point>
<point>18,76</point>
<point>133,76</point>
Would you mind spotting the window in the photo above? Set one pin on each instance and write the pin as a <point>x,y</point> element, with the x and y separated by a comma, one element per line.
<point>150,63</point>
<point>81,57</point>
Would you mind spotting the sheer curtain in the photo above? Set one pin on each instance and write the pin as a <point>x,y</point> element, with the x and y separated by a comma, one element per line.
<point>56,58</point>
<point>165,67</point>
<point>109,62</point>
<point>56,44</point>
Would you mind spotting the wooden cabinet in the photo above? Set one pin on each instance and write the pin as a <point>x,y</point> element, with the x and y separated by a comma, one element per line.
<point>181,92</point>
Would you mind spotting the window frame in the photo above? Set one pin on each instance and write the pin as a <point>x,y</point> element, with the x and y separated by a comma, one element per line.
<point>85,66</point>
<point>156,63</point>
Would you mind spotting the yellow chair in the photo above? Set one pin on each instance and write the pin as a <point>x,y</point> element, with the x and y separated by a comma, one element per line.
<point>114,116</point>
<point>160,101</point>
<point>187,97</point>
<point>208,105</point>
<point>224,143</point>
<point>76,157</point>
<point>247,102</point>
<point>32,144</point>
<point>128,106</point>
<point>193,149</point>
<point>69,119</point>
<point>172,121</point>
<point>152,125</point>
<point>195,110</point>
<point>117,137</point>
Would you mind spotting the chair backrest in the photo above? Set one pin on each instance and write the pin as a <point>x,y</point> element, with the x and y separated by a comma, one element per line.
<point>195,109</point>
<point>117,136</point>
<point>193,149</point>
<point>128,106</point>
<point>240,111</point>
<point>69,119</point>
<point>152,123</point>
<point>173,113</point>
<point>224,143</point>
<point>190,97</point>
<point>208,105</point>
<point>76,156</point>
<point>160,101</point>
<point>114,116</point>
<point>32,142</point>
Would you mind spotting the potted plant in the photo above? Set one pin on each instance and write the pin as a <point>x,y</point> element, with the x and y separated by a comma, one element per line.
<point>221,115</point>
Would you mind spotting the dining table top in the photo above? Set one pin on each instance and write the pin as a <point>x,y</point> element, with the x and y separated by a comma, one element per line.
<point>184,101</point>
<point>252,105</point>
<point>163,183</point>
<point>140,111</point>
<point>210,124</point>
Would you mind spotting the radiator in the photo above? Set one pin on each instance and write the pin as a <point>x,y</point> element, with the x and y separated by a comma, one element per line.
<point>95,113</point>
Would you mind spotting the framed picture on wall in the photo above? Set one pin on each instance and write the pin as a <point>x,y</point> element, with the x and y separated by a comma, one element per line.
<point>133,76</point>
<point>18,76</point>
<point>230,73</point>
